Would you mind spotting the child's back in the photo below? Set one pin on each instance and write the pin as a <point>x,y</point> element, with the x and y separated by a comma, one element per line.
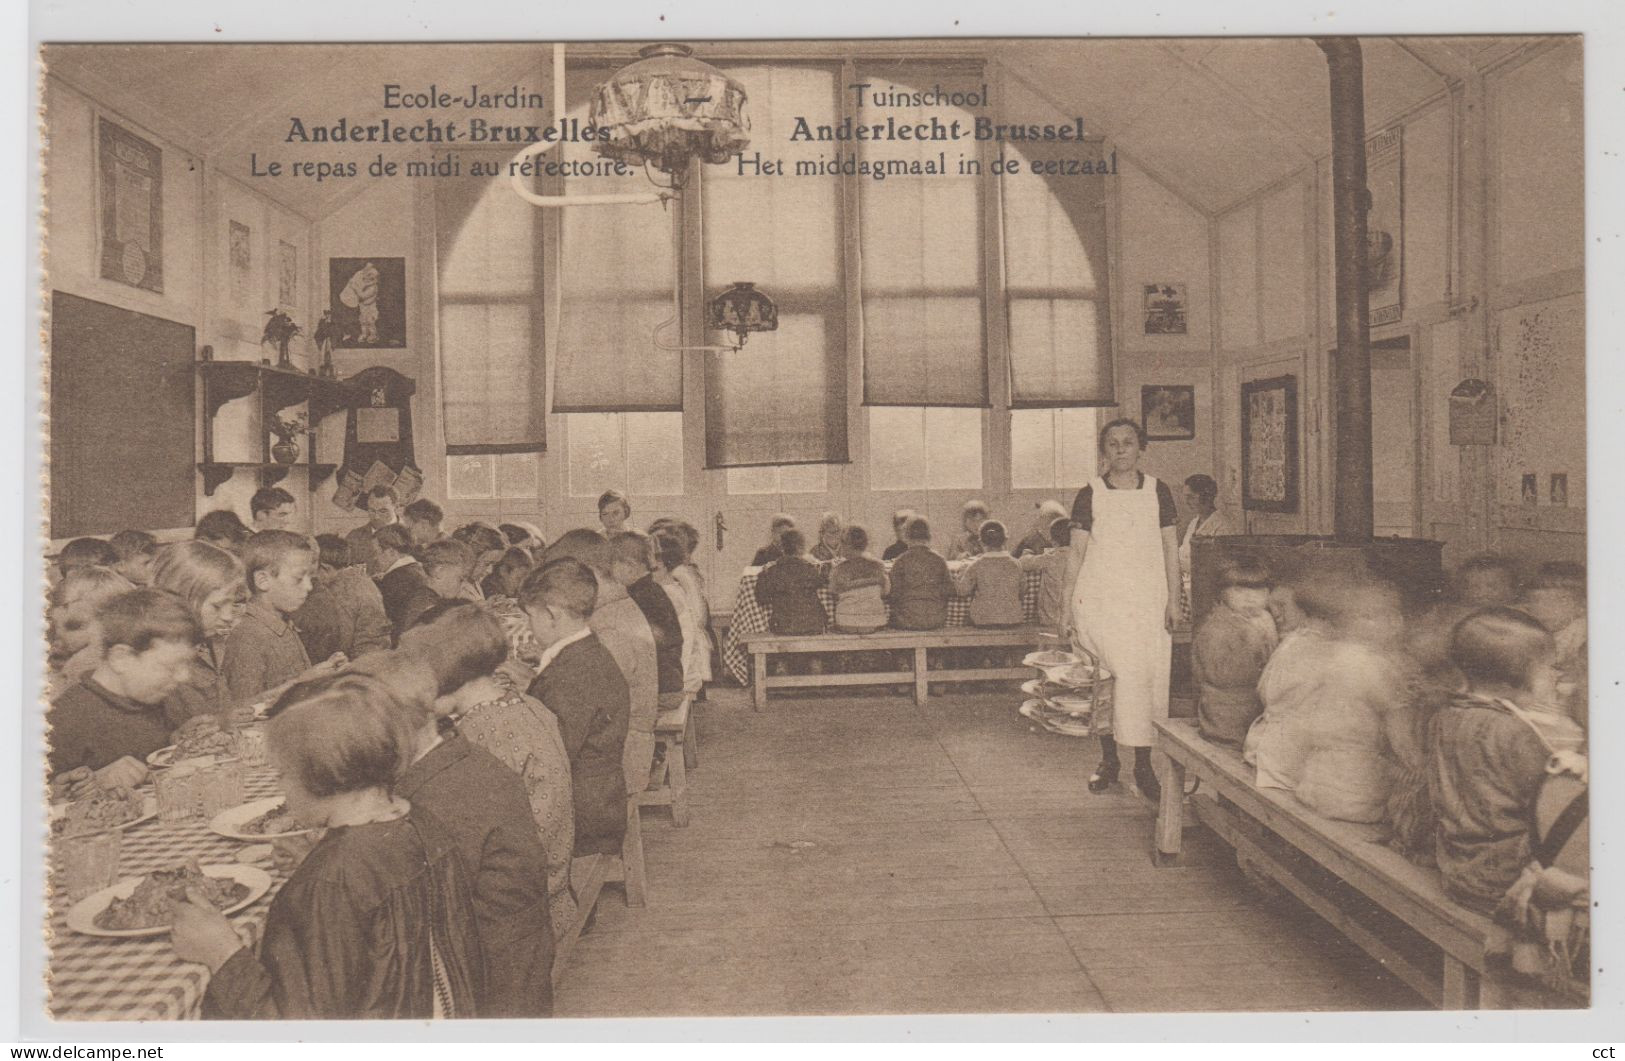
<point>859,584</point>
<point>921,586</point>
<point>1228,656</point>
<point>1051,568</point>
<point>992,581</point>
<point>587,693</point>
<point>788,588</point>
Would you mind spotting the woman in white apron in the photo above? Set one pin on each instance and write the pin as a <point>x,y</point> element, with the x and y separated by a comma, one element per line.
<point>1201,497</point>
<point>1124,571</point>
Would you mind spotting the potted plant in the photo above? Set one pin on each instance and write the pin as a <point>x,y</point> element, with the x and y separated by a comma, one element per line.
<point>287,431</point>
<point>280,329</point>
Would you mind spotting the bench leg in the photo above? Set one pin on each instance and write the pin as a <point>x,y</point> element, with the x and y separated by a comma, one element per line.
<point>1170,810</point>
<point>691,742</point>
<point>922,688</point>
<point>677,780</point>
<point>632,857</point>
<point>759,686</point>
<point>1458,986</point>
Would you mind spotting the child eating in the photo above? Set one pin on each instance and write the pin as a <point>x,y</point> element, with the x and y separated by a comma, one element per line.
<point>859,585</point>
<point>788,589</point>
<point>1231,648</point>
<point>264,651</point>
<point>992,581</point>
<point>921,584</point>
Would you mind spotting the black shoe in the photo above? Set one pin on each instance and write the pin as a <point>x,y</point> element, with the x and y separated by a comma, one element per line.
<point>1104,777</point>
<point>1146,780</point>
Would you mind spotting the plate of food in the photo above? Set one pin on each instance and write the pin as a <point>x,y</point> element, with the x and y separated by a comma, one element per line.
<point>106,808</point>
<point>140,906</point>
<point>261,821</point>
<point>198,738</point>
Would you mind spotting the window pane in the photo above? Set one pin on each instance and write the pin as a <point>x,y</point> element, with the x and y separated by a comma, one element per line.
<point>753,480</point>
<point>804,479</point>
<point>1077,450</point>
<point>1032,448</point>
<point>516,474</point>
<point>953,449</point>
<point>896,448</point>
<point>654,453</point>
<point>470,477</point>
<point>912,448</point>
<point>597,461</point>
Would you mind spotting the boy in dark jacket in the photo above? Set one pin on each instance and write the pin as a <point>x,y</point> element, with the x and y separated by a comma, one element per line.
<point>920,582</point>
<point>579,682</point>
<point>788,588</point>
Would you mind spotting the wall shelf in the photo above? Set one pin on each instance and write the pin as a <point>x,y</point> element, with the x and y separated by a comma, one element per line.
<point>277,389</point>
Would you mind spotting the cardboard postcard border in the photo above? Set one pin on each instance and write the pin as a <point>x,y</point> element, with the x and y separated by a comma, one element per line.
<point>22,832</point>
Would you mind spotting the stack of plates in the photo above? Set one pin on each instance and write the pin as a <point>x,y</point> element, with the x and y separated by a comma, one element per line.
<point>1057,721</point>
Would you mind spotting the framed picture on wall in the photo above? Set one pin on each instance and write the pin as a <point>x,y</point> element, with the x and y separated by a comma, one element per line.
<point>130,200</point>
<point>369,302</point>
<point>1165,309</point>
<point>1168,412</point>
<point>1269,445</point>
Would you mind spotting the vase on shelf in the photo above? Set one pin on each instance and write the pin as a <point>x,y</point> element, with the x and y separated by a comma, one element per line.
<point>285,452</point>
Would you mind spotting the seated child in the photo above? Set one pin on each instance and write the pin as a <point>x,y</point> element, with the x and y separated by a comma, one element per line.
<point>1488,760</point>
<point>772,551</point>
<point>788,589</point>
<point>422,519</point>
<point>1039,538</point>
<point>502,601</point>
<point>485,545</point>
<point>508,574</point>
<point>899,525</point>
<point>613,511</point>
<point>859,585</point>
<point>580,683</point>
<point>485,809</point>
<point>344,612</point>
<point>1556,597</point>
<point>378,919</point>
<point>1229,652</point>
<point>210,580</point>
<point>85,552</point>
<point>920,582</point>
<point>271,508</point>
<point>136,551</point>
<point>112,719</point>
<point>76,646</point>
<point>969,542</point>
<point>671,554</point>
<point>223,528</point>
<point>992,581</point>
<point>446,565</point>
<point>1336,730</point>
<point>395,568</point>
<point>1050,563</point>
<point>264,650</point>
<point>830,530</point>
<point>464,646</point>
<point>631,558</point>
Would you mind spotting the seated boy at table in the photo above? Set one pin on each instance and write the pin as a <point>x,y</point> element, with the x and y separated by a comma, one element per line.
<point>107,723</point>
<point>788,589</point>
<point>968,542</point>
<point>1229,652</point>
<point>344,612</point>
<point>992,581</point>
<point>137,552</point>
<point>920,582</point>
<point>579,681</point>
<point>264,650</point>
<point>899,528</point>
<point>446,564</point>
<point>771,551</point>
<point>859,584</point>
<point>85,552</point>
<point>1050,563</point>
<point>1556,597</point>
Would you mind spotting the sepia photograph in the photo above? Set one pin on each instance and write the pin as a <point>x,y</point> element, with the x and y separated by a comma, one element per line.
<point>679,527</point>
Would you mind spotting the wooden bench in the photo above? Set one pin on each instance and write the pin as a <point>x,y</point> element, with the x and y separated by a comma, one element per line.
<point>1392,909</point>
<point>918,642</point>
<point>668,777</point>
<point>589,874</point>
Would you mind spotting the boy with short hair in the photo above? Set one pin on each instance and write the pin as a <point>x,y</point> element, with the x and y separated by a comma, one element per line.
<point>788,588</point>
<point>344,612</point>
<point>920,582</point>
<point>775,530</point>
<point>992,581</point>
<point>271,508</point>
<point>579,681</point>
<point>1232,645</point>
<point>224,528</point>
<point>85,552</point>
<point>968,543</point>
<point>613,512</point>
<point>1050,563</point>
<point>113,718</point>
<point>264,650</point>
<point>859,584</point>
<point>136,550</point>
<point>395,569</point>
<point>899,527</point>
<point>446,564</point>
<point>422,519</point>
<point>631,564</point>
<point>1039,538</point>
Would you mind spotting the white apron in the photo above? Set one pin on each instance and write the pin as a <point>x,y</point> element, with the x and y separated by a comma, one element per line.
<point>1120,602</point>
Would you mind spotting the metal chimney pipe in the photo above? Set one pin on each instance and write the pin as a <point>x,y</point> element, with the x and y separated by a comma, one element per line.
<point>1352,516</point>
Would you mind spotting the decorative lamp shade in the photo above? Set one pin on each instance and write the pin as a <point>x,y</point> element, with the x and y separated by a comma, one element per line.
<point>742,309</point>
<point>669,107</point>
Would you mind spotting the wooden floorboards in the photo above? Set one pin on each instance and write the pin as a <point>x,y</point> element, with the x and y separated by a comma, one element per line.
<point>857,854</point>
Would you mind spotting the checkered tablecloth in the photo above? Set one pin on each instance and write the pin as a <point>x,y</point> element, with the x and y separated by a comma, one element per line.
<point>96,978</point>
<point>750,616</point>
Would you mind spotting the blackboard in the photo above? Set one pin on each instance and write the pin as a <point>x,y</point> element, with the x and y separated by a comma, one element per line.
<point>122,420</point>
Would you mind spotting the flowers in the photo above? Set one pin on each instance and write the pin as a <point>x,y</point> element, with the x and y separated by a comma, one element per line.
<point>289,429</point>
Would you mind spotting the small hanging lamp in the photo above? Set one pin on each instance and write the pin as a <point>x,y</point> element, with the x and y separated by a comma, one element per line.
<point>742,309</point>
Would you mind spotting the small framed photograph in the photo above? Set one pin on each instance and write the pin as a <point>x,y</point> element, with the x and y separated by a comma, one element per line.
<point>369,302</point>
<point>1168,412</point>
<point>1165,309</point>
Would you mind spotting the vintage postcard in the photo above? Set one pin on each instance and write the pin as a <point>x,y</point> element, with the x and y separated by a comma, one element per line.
<point>684,527</point>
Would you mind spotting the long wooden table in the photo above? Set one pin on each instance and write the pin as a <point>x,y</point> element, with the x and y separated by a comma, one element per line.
<point>1395,911</point>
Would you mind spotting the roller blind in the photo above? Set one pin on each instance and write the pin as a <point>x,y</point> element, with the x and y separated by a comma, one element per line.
<point>924,334</point>
<point>489,290</point>
<point>616,285</point>
<point>781,400</point>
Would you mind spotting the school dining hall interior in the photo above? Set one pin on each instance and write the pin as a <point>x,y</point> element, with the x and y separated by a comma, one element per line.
<point>748,528</point>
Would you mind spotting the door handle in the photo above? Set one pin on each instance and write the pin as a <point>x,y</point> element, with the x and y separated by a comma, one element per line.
<point>722,528</point>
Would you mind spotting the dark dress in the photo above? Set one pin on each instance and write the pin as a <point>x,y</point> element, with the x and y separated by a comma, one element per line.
<point>657,608</point>
<point>920,588</point>
<point>588,694</point>
<point>349,935</point>
<point>93,726</point>
<point>1034,542</point>
<point>788,589</point>
<point>485,807</point>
